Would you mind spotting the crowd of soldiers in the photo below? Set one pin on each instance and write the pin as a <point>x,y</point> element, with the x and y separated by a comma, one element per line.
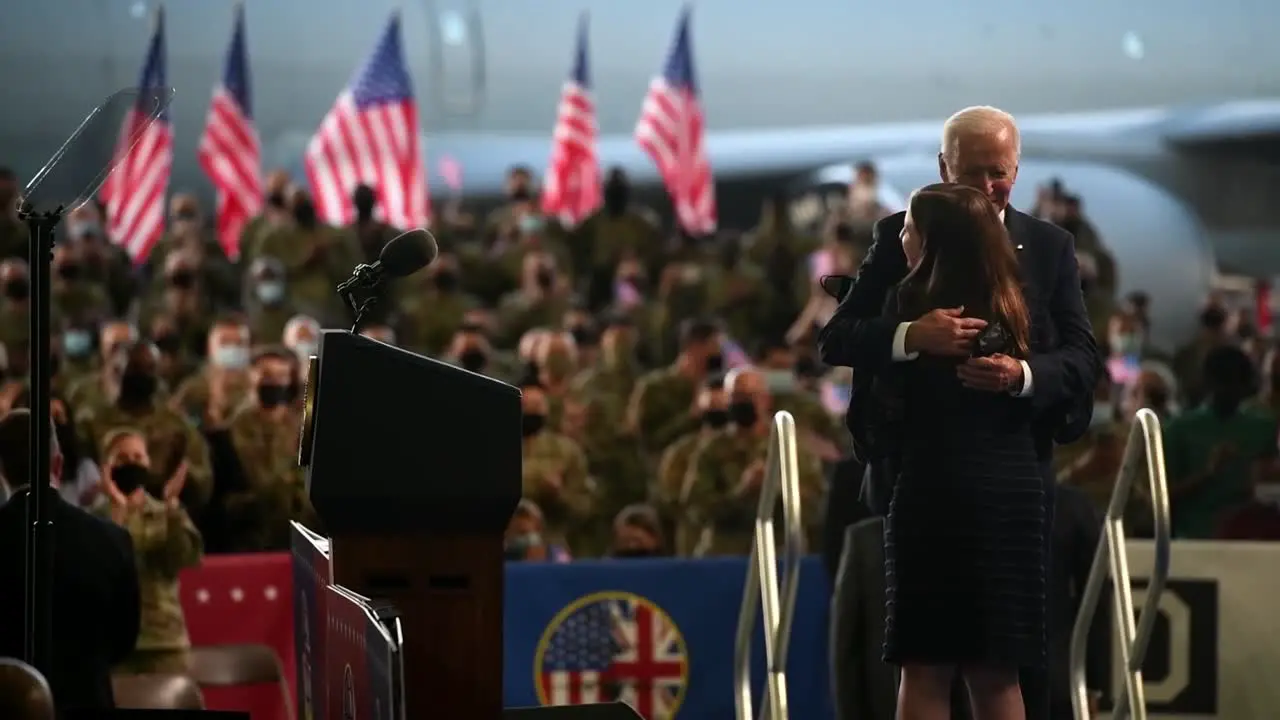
<point>651,365</point>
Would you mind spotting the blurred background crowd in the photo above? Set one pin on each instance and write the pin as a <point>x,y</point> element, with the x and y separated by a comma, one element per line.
<point>651,363</point>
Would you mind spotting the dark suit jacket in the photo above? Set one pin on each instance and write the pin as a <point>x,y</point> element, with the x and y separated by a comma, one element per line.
<point>96,610</point>
<point>865,686</point>
<point>1064,357</point>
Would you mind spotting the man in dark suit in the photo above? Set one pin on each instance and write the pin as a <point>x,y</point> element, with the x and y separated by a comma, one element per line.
<point>980,148</point>
<point>96,609</point>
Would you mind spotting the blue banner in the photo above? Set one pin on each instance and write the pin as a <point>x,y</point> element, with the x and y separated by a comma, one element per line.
<point>656,634</point>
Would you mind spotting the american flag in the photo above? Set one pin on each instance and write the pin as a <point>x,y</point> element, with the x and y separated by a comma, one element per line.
<point>134,192</point>
<point>672,131</point>
<point>371,137</point>
<point>572,190</point>
<point>229,150</point>
<point>618,649</point>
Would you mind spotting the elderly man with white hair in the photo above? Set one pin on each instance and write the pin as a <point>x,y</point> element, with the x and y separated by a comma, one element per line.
<point>980,149</point>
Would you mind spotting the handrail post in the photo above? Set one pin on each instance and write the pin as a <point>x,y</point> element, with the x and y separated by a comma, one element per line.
<point>1145,446</point>
<point>762,589</point>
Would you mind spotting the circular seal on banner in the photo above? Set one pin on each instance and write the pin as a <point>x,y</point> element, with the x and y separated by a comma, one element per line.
<point>348,694</point>
<point>308,705</point>
<point>613,647</point>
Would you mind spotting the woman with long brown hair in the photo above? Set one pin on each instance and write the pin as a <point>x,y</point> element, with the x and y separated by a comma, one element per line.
<point>964,543</point>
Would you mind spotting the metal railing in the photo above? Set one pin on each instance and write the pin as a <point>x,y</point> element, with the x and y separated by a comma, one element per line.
<point>763,587</point>
<point>1144,447</point>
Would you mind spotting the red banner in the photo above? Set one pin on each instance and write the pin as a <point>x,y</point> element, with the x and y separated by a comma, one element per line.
<point>233,599</point>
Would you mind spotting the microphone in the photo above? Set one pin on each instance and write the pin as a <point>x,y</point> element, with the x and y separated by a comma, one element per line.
<point>406,254</point>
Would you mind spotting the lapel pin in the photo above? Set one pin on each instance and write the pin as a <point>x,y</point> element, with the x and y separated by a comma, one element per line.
<point>1019,247</point>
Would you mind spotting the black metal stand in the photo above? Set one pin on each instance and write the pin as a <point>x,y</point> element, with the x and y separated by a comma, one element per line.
<point>360,293</point>
<point>39,571</point>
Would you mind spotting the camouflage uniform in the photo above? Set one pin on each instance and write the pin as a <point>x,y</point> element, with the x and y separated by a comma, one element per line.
<point>518,313</point>
<point>431,318</point>
<point>14,239</point>
<point>171,438</point>
<point>669,492</point>
<point>192,396</point>
<point>726,521</point>
<point>165,542</point>
<point>658,409</point>
<point>258,516</point>
<point>567,511</point>
<point>315,260</point>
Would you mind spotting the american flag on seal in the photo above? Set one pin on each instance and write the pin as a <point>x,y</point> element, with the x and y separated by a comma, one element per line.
<point>617,648</point>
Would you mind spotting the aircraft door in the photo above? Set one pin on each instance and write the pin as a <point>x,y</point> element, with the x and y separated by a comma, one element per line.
<point>457,84</point>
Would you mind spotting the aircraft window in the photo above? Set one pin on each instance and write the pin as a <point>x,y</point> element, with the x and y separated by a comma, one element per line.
<point>1133,46</point>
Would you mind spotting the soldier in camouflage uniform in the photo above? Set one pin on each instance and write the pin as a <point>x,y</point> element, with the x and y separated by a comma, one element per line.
<point>541,300</point>
<point>434,310</point>
<point>728,470</point>
<point>263,435</point>
<point>662,407</point>
<point>267,300</point>
<point>670,493</point>
<point>368,234</point>
<point>275,213</point>
<point>470,350</point>
<point>316,258</point>
<point>737,292</point>
<point>557,360</point>
<point>173,443</point>
<point>217,277</point>
<point>555,476</point>
<point>14,241</point>
<point>77,302</point>
<point>98,388</point>
<point>616,232</point>
<point>183,301</point>
<point>15,314</point>
<point>227,366</point>
<point>165,542</point>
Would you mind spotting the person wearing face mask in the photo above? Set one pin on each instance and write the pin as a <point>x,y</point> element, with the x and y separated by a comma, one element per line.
<point>180,453</point>
<point>520,197</point>
<point>15,311</point>
<point>780,248</point>
<point>1213,453</point>
<point>369,233</point>
<point>225,375</point>
<point>98,387</point>
<point>554,474</point>
<point>637,533</point>
<point>432,314</point>
<point>819,432</point>
<point>663,406</point>
<point>540,301</point>
<point>557,362</point>
<point>14,240</point>
<point>670,492</point>
<point>187,233</point>
<point>105,264</point>
<point>727,471</point>
<point>181,297</point>
<point>302,336</point>
<point>165,542</point>
<point>316,257</point>
<point>267,298</point>
<point>619,230</point>
<point>275,213</point>
<point>737,292</point>
<point>77,353</point>
<point>254,452</point>
<point>470,350</point>
<point>523,540</point>
<point>1188,361</point>
<point>73,298</point>
<point>616,369</point>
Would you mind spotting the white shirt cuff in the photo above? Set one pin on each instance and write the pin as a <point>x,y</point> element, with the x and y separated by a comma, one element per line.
<point>900,353</point>
<point>1027,385</point>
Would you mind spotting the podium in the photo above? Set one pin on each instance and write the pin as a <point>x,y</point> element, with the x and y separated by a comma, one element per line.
<point>414,467</point>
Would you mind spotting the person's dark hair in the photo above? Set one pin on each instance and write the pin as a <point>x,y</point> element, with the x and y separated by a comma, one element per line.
<point>1227,364</point>
<point>698,330</point>
<point>15,440</point>
<point>1213,318</point>
<point>968,260</point>
<point>644,517</point>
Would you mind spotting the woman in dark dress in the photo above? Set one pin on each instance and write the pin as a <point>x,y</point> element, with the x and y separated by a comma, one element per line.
<point>964,543</point>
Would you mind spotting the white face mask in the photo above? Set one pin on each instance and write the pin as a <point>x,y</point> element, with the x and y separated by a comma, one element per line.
<point>1103,415</point>
<point>231,357</point>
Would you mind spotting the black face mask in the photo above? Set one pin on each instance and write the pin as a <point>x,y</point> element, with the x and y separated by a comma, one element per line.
<point>183,280</point>
<point>17,289</point>
<point>545,279</point>
<point>616,197</point>
<point>521,194</point>
<point>169,343</point>
<point>715,419</point>
<point>473,359</point>
<point>129,477</point>
<point>532,424</point>
<point>273,396</point>
<point>69,271</point>
<point>584,336</point>
<point>446,280</point>
<point>743,413</point>
<point>276,200</point>
<point>635,553</point>
<point>185,215</point>
<point>715,363</point>
<point>304,213</point>
<point>137,387</point>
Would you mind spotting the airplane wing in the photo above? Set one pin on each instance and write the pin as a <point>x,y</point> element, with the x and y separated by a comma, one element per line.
<point>1232,122</point>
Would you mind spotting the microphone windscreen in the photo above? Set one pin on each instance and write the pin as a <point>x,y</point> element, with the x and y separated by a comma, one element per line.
<point>408,252</point>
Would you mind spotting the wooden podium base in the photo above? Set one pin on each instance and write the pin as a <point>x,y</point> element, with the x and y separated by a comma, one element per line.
<point>448,592</point>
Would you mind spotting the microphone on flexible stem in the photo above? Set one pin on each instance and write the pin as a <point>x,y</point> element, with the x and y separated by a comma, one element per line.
<point>406,254</point>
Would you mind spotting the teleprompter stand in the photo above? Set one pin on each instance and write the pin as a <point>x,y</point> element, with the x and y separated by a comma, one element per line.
<point>71,176</point>
<point>414,467</point>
